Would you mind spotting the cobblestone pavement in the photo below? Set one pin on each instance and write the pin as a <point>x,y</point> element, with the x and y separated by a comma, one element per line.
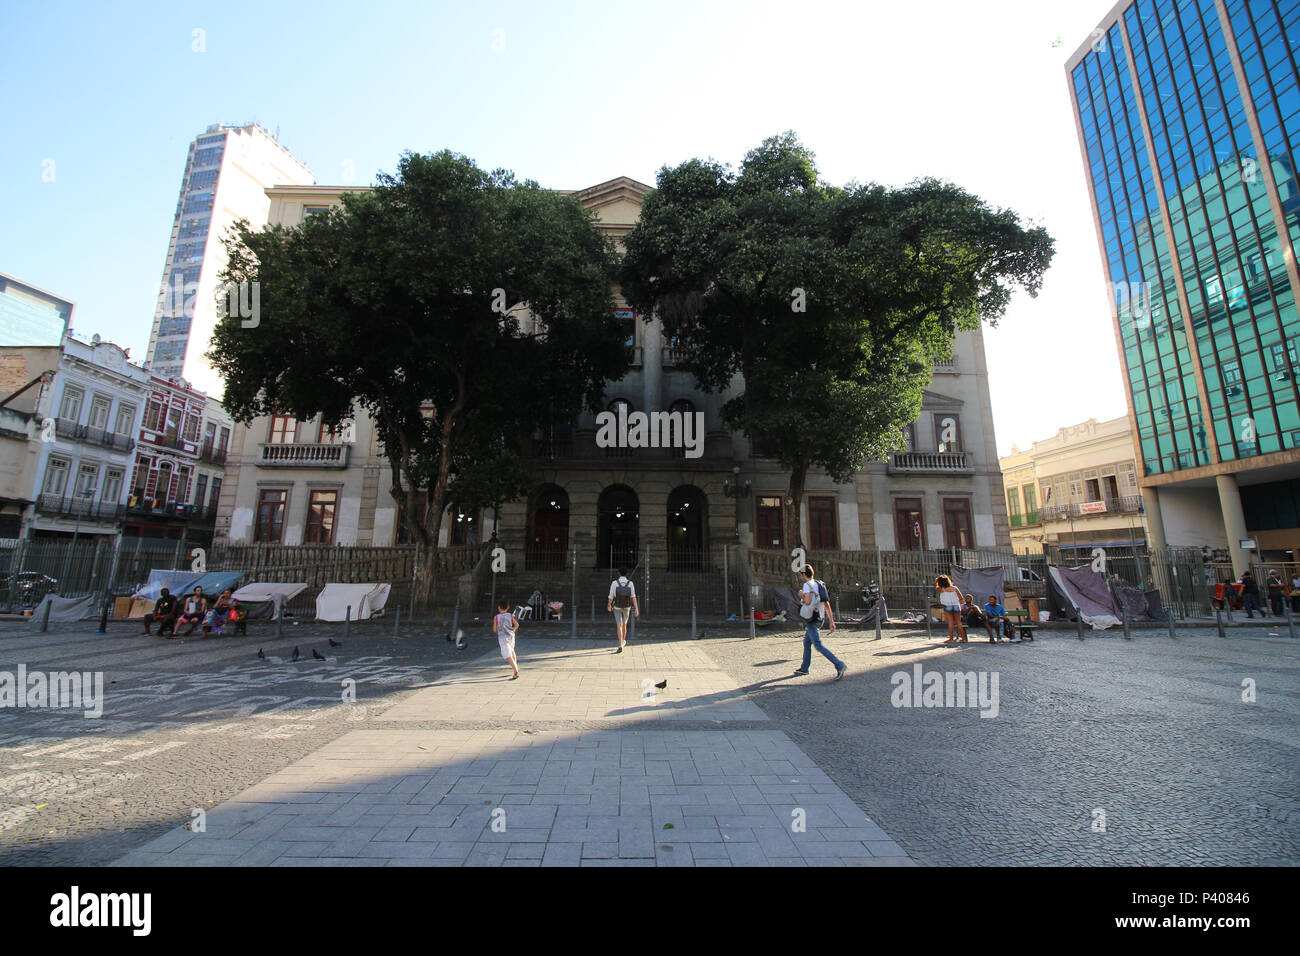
<point>1149,738</point>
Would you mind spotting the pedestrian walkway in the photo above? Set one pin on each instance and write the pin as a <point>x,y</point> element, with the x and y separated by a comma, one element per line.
<point>629,787</point>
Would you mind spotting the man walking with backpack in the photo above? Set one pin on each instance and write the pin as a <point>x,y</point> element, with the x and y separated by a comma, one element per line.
<point>814,596</point>
<point>622,601</point>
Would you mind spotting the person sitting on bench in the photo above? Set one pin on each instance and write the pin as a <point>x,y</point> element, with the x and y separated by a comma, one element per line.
<point>996,619</point>
<point>216,617</point>
<point>192,611</point>
<point>164,612</point>
<point>970,611</point>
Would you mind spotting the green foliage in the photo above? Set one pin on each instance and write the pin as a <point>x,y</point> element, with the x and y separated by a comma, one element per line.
<point>884,276</point>
<point>387,304</point>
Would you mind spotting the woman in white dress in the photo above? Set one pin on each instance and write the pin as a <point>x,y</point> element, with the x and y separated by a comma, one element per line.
<point>505,624</point>
<point>950,600</point>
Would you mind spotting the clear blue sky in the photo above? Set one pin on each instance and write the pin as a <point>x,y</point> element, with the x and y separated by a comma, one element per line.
<point>579,92</point>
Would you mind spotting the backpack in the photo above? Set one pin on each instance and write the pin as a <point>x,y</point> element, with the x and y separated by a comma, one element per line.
<point>623,594</point>
<point>813,609</point>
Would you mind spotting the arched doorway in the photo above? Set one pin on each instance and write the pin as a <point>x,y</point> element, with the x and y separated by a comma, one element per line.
<point>687,513</point>
<point>548,541</point>
<point>618,527</point>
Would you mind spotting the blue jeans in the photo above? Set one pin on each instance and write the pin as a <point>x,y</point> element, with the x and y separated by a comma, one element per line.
<point>812,638</point>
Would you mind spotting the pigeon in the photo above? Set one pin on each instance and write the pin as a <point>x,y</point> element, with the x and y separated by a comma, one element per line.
<point>316,655</point>
<point>261,656</point>
<point>334,643</point>
<point>295,655</point>
<point>662,684</point>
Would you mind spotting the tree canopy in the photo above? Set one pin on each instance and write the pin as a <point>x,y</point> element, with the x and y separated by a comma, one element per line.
<point>459,308</point>
<point>832,303</point>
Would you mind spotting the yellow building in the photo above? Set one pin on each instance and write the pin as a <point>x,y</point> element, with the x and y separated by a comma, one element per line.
<point>1077,490</point>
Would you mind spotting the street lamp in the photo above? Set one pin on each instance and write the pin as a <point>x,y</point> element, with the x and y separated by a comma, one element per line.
<point>732,488</point>
<point>67,564</point>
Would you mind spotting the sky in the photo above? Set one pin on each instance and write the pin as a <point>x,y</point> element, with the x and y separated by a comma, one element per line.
<point>570,94</point>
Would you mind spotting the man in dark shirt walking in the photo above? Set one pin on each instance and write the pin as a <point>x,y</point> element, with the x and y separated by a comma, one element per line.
<point>1250,594</point>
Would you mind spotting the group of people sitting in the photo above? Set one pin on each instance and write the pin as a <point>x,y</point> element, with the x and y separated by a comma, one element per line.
<point>961,611</point>
<point>195,610</point>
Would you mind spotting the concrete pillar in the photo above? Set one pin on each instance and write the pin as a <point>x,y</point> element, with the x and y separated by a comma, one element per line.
<point>1234,521</point>
<point>1155,521</point>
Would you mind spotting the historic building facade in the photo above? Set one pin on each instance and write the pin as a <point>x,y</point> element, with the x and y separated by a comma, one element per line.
<point>294,482</point>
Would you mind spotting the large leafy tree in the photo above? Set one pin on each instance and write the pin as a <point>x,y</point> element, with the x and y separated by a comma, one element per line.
<point>832,303</point>
<point>409,302</point>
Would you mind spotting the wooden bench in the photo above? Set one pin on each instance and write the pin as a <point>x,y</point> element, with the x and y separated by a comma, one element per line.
<point>1025,629</point>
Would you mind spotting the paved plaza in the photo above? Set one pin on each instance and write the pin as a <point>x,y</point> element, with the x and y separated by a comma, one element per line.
<point>405,751</point>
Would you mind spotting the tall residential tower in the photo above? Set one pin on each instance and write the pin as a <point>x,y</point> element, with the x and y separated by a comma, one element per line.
<point>1188,115</point>
<point>227,172</point>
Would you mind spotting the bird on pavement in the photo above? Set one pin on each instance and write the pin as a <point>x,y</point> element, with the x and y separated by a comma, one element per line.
<point>295,655</point>
<point>316,655</point>
<point>334,643</point>
<point>662,684</point>
<point>261,656</point>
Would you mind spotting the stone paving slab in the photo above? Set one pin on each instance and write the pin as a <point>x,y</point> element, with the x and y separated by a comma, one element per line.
<point>438,795</point>
<point>584,680</point>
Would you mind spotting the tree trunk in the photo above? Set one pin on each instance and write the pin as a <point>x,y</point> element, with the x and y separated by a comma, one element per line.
<point>790,514</point>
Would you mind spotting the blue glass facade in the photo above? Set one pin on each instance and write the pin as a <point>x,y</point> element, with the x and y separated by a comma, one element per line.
<point>1190,235</point>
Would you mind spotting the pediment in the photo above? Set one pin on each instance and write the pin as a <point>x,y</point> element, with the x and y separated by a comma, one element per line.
<point>937,400</point>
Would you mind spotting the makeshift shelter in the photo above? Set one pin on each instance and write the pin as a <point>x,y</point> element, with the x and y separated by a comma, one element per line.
<point>214,582</point>
<point>1083,592</point>
<point>65,609</point>
<point>176,581</point>
<point>784,599</point>
<point>979,583</point>
<point>264,600</point>
<point>1156,606</point>
<point>366,600</point>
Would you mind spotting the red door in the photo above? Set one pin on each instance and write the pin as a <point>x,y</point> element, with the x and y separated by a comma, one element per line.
<point>909,529</point>
<point>768,523</point>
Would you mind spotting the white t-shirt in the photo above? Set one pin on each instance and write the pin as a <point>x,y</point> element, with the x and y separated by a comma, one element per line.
<point>613,586</point>
<point>810,587</point>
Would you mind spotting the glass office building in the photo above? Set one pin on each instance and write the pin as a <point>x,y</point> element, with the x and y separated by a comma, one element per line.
<point>1188,114</point>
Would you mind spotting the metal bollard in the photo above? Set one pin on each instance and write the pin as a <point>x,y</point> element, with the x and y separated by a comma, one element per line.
<point>751,621</point>
<point>573,619</point>
<point>1123,615</point>
<point>45,616</point>
<point>455,618</point>
<point>103,621</point>
<point>1079,621</point>
<point>397,616</point>
<point>1170,615</point>
<point>593,610</point>
<point>928,633</point>
<point>1290,621</point>
<point>347,622</point>
<point>878,634</point>
<point>279,621</point>
<point>1218,621</point>
<point>695,635</point>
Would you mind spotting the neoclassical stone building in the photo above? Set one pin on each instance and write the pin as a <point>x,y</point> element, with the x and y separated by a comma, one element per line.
<point>292,482</point>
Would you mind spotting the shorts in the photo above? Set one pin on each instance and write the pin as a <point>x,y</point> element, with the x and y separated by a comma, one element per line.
<point>621,614</point>
<point>507,646</point>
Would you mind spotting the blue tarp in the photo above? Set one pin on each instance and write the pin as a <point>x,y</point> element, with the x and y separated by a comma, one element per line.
<point>214,582</point>
<point>175,581</point>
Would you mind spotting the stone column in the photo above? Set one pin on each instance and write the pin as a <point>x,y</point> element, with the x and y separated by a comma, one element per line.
<point>1234,521</point>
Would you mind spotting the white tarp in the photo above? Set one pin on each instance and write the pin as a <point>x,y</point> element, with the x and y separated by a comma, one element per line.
<point>274,593</point>
<point>364,599</point>
<point>65,609</point>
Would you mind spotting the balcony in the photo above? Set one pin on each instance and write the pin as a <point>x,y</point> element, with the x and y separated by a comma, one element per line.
<point>675,355</point>
<point>554,446</point>
<point>71,431</point>
<point>930,462</point>
<point>1027,520</point>
<point>304,455</point>
<point>216,454</point>
<point>1128,505</point>
<point>945,365</point>
<point>57,505</point>
<point>137,505</point>
<point>163,440</point>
